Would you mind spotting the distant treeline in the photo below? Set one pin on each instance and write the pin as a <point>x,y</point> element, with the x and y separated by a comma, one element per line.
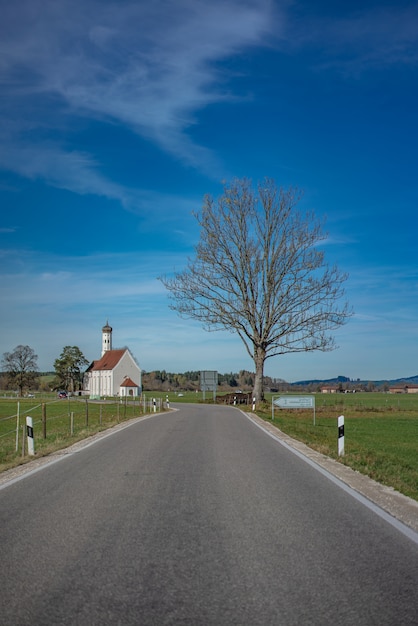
<point>160,379</point>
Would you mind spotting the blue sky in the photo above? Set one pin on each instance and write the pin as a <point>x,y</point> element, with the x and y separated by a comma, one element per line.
<point>116,118</point>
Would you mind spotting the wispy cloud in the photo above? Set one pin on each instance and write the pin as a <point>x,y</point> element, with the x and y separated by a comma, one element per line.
<point>361,39</point>
<point>35,278</point>
<point>80,173</point>
<point>385,301</point>
<point>72,170</point>
<point>152,67</point>
<point>146,66</point>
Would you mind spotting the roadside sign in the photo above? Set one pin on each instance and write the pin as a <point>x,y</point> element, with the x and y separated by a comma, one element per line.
<point>209,382</point>
<point>293,402</point>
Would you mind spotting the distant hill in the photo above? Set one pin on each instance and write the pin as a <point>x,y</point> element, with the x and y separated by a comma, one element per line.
<point>413,380</point>
<point>320,381</point>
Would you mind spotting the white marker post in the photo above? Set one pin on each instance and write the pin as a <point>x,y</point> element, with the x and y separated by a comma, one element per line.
<point>341,435</point>
<point>29,432</point>
<point>154,404</point>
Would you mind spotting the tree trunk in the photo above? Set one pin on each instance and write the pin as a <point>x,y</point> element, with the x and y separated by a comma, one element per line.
<point>259,358</point>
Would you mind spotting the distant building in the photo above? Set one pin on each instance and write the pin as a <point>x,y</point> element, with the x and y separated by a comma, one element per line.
<point>116,373</point>
<point>330,389</point>
<point>403,388</point>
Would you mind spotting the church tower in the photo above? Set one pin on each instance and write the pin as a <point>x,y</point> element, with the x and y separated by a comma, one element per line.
<point>106,338</point>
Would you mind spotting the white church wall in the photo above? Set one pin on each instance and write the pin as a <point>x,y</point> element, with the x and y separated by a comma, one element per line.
<point>127,367</point>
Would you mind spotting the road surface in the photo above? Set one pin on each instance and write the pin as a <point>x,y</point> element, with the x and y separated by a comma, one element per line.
<point>197,517</point>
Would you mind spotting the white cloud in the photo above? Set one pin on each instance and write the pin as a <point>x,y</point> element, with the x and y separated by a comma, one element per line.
<point>148,66</point>
<point>73,170</point>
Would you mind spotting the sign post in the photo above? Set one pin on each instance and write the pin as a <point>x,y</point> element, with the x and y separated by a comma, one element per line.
<point>293,402</point>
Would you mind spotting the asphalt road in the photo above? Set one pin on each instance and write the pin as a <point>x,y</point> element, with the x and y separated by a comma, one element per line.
<point>197,517</point>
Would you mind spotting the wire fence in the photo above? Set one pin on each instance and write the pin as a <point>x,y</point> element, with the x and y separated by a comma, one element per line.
<point>57,423</point>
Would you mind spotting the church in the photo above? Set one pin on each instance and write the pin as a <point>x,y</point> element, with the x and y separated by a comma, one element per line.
<point>116,373</point>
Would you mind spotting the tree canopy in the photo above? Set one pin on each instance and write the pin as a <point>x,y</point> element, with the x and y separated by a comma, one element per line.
<point>258,271</point>
<point>69,369</point>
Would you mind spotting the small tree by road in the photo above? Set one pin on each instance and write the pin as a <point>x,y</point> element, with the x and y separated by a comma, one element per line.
<point>258,271</point>
<point>69,369</point>
<point>21,368</point>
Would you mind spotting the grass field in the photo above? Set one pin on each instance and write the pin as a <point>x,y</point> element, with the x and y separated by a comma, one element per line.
<point>381,430</point>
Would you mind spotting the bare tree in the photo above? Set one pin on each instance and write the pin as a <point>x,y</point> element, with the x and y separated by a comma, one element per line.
<point>258,272</point>
<point>20,367</point>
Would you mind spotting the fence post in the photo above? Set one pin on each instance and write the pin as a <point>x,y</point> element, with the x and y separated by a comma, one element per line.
<point>23,439</point>
<point>17,426</point>
<point>44,420</point>
<point>72,423</point>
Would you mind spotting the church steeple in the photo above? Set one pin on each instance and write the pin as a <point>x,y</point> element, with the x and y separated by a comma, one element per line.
<point>106,338</point>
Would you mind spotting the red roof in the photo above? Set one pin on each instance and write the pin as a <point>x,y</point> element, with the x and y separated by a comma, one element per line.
<point>108,361</point>
<point>128,382</point>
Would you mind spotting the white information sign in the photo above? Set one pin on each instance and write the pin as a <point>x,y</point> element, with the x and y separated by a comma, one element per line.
<point>293,402</point>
